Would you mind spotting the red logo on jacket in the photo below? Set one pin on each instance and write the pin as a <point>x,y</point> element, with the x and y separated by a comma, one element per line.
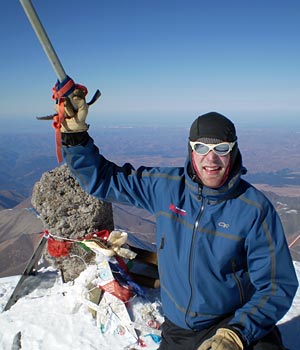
<point>177,210</point>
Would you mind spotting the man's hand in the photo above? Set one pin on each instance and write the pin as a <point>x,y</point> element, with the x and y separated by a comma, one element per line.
<point>75,117</point>
<point>224,339</point>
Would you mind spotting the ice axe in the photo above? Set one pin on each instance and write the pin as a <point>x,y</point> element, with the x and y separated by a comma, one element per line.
<point>44,40</point>
<point>49,50</point>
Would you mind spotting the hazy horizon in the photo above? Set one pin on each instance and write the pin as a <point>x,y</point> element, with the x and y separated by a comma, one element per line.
<point>18,124</point>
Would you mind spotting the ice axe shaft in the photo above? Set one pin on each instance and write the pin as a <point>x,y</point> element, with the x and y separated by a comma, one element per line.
<point>43,39</point>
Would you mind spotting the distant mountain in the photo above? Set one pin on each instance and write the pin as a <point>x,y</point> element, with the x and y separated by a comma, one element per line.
<point>15,253</point>
<point>283,177</point>
<point>288,208</point>
<point>24,157</point>
<point>137,221</point>
<point>9,199</point>
<point>23,162</point>
<point>19,234</point>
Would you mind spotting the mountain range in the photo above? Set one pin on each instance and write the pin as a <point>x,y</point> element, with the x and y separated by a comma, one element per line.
<point>28,156</point>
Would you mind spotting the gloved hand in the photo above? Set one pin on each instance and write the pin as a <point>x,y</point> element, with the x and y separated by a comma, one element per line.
<point>224,339</point>
<point>75,120</point>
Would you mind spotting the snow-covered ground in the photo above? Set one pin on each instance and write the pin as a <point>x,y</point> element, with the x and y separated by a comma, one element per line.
<point>52,316</point>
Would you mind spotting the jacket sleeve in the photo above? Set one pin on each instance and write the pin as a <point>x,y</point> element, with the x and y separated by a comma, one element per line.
<point>107,181</point>
<point>272,274</point>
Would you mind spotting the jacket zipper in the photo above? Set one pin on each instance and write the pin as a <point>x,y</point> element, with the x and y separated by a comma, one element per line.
<point>196,225</point>
<point>238,282</point>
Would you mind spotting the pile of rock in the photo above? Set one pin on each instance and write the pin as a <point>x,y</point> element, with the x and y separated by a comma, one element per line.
<point>68,212</point>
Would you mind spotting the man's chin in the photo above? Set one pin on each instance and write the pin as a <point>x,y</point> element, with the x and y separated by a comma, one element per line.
<point>213,181</point>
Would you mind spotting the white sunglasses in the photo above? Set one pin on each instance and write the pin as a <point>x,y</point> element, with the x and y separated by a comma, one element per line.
<point>220,149</point>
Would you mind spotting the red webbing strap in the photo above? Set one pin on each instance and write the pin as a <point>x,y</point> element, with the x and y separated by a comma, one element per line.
<point>294,241</point>
<point>58,120</point>
<point>57,94</point>
<point>82,87</point>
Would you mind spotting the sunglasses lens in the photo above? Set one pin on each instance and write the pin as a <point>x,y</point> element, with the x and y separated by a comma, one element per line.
<point>222,149</point>
<point>200,148</point>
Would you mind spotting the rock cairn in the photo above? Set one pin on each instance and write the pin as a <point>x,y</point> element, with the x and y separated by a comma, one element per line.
<point>68,212</point>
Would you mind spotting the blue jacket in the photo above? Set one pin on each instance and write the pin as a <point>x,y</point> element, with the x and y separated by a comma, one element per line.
<point>220,251</point>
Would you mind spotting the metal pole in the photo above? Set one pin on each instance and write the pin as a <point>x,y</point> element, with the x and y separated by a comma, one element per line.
<point>43,39</point>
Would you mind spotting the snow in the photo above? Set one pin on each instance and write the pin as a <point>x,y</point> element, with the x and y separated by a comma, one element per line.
<point>52,316</point>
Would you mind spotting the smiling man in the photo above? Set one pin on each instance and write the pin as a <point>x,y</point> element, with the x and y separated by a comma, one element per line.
<point>225,270</point>
<point>212,141</point>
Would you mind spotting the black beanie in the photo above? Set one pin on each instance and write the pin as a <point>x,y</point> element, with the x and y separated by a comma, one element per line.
<point>213,125</point>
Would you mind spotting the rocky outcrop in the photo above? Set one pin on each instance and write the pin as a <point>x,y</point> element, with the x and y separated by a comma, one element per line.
<point>68,212</point>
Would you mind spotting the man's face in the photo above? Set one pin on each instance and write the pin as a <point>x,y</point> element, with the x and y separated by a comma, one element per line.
<point>211,168</point>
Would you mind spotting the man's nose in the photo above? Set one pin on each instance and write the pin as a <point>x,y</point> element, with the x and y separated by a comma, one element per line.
<point>211,155</point>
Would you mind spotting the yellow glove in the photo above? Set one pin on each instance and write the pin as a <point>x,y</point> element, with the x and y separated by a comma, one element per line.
<point>75,120</point>
<point>224,339</point>
<point>116,239</point>
<point>113,245</point>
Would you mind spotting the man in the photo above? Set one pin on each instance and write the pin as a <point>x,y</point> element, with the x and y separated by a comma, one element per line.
<point>226,273</point>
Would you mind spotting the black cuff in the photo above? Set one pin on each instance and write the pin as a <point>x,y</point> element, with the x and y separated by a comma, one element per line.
<point>237,329</point>
<point>74,138</point>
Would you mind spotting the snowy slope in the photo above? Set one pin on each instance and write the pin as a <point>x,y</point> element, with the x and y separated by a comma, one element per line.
<point>53,317</point>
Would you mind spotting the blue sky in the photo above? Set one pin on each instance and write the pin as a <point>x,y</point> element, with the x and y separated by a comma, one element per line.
<point>162,59</point>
